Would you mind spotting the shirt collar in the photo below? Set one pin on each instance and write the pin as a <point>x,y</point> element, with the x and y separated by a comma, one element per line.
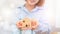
<point>34,10</point>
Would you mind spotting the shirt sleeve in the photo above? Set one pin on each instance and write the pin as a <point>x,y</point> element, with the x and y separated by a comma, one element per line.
<point>44,26</point>
<point>43,23</point>
<point>18,15</point>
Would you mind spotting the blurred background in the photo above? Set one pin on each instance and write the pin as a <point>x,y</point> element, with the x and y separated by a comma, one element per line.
<point>7,7</point>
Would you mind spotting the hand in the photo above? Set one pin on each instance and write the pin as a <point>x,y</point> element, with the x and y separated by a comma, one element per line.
<point>19,24</point>
<point>34,24</point>
<point>24,24</point>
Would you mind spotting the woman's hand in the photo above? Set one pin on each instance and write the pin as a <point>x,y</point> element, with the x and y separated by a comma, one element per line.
<point>19,24</point>
<point>34,24</point>
<point>24,24</point>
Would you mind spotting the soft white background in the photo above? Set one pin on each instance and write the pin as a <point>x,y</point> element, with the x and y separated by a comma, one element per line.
<point>7,6</point>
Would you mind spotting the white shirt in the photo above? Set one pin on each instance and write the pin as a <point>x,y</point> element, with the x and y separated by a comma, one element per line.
<point>38,13</point>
